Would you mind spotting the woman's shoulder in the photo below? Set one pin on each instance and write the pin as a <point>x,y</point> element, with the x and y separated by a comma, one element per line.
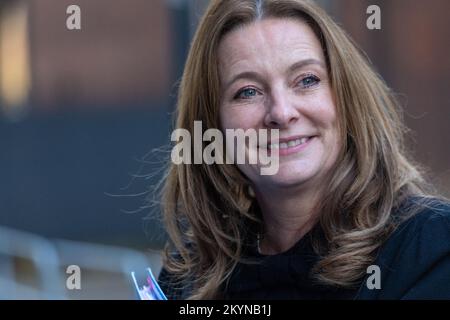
<point>422,217</point>
<point>414,262</point>
<point>171,286</point>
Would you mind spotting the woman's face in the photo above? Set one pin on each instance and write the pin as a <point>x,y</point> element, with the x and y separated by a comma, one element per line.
<point>273,75</point>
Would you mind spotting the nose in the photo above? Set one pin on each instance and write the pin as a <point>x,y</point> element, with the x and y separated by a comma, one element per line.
<point>281,111</point>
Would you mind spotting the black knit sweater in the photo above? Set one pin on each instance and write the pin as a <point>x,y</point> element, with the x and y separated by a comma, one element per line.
<point>414,263</point>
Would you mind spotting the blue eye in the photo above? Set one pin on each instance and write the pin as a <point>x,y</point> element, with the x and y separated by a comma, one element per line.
<point>246,93</point>
<point>309,81</point>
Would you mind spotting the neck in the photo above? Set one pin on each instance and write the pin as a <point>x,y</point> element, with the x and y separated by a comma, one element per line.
<point>287,215</point>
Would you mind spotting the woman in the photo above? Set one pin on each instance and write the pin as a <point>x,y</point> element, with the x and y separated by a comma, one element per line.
<point>346,216</point>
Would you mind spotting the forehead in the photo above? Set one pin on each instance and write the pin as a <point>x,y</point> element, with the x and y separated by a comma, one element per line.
<point>271,41</point>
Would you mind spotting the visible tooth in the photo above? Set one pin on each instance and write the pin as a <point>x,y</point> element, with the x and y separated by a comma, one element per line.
<point>290,144</point>
<point>274,146</point>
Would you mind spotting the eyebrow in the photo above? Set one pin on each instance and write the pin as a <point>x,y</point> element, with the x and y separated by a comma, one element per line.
<point>255,76</point>
<point>306,62</point>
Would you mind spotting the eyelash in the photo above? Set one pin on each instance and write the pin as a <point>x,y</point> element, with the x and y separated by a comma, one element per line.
<point>305,86</point>
<point>240,92</point>
<point>310,76</point>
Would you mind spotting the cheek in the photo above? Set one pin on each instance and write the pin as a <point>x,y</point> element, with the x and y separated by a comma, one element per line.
<point>326,119</point>
<point>239,118</point>
<point>330,123</point>
<point>226,118</point>
<point>325,112</point>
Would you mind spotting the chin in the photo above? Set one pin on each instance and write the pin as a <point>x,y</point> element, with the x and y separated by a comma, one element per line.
<point>288,177</point>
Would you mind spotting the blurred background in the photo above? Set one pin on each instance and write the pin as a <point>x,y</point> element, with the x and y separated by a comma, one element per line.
<point>81,111</point>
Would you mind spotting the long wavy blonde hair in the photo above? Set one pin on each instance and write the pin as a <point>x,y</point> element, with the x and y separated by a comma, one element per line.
<point>207,209</point>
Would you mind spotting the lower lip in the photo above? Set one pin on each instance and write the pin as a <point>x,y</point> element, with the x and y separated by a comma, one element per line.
<point>291,150</point>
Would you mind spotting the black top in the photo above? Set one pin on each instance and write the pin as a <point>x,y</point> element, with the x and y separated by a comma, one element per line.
<point>414,264</point>
<point>281,276</point>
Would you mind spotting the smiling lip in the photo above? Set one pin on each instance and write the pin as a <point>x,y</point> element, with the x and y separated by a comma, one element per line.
<point>290,145</point>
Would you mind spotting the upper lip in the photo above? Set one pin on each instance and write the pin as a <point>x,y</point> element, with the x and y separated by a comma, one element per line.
<point>292,138</point>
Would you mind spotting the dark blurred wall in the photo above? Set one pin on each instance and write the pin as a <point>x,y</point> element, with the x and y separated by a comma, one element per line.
<point>101,99</point>
<point>70,175</point>
<point>122,54</point>
<point>412,52</point>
